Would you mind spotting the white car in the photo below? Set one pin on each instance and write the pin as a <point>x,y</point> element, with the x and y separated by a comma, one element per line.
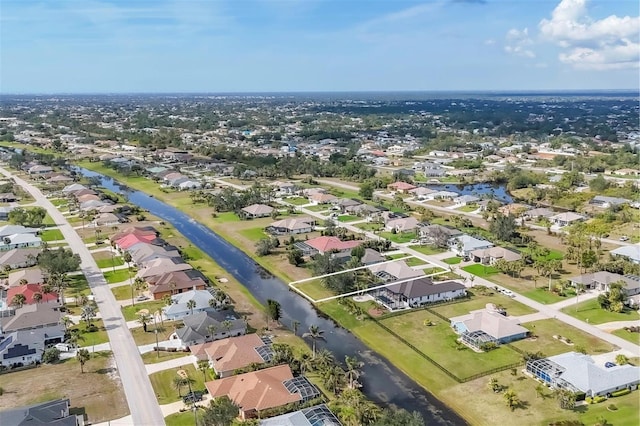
<point>624,238</point>
<point>508,293</point>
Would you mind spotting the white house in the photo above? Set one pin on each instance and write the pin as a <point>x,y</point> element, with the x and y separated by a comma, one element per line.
<point>15,241</point>
<point>179,307</point>
<point>464,244</point>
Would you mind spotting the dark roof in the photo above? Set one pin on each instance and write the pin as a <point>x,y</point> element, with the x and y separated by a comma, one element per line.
<point>423,287</point>
<point>46,413</point>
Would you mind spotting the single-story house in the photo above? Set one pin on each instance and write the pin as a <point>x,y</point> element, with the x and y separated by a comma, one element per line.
<point>162,266</point>
<point>106,219</point>
<point>179,308</point>
<point>465,200</point>
<point>605,202</point>
<point>490,256</point>
<point>416,292</point>
<point>19,258</point>
<point>37,315</point>
<point>7,197</point>
<point>25,276</point>
<point>322,198</point>
<point>142,253</point>
<point>228,355</point>
<point>630,252</point>
<point>172,283</point>
<point>189,184</point>
<point>260,390</point>
<point>39,170</point>
<point>394,271</point>
<point>363,210</point>
<point>464,244</point>
<point>257,210</point>
<point>538,213</point>
<point>484,326</point>
<point>437,234</point>
<point>29,292</point>
<point>344,203</point>
<point>4,212</point>
<point>16,241</point>
<point>326,244</point>
<point>371,257</point>
<point>25,347</point>
<point>602,281</point>
<point>54,412</point>
<point>207,326</point>
<point>422,192</point>
<point>8,230</point>
<point>400,186</point>
<point>564,219</point>
<point>580,373</point>
<point>298,225</point>
<point>318,415</point>
<point>442,195</point>
<point>403,224</point>
<point>73,187</point>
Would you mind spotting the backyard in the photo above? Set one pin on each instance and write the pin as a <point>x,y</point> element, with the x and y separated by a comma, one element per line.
<point>103,400</point>
<point>314,289</point>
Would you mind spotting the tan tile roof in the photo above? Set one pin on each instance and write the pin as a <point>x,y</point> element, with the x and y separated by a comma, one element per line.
<point>257,390</point>
<point>234,352</point>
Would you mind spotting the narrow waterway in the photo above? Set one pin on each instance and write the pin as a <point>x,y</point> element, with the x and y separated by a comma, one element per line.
<point>383,383</point>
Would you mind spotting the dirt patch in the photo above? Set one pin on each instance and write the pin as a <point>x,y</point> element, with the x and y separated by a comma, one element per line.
<point>102,400</point>
<point>377,311</point>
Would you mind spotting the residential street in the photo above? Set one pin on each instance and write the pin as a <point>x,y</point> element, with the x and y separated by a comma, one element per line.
<point>140,396</point>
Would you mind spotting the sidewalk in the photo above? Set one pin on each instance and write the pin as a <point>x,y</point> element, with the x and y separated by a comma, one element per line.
<point>172,363</point>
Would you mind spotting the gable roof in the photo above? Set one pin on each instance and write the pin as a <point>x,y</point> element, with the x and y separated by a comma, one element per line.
<point>196,325</point>
<point>18,256</point>
<point>256,390</point>
<point>180,300</point>
<point>293,224</point>
<point>161,266</point>
<point>401,186</point>
<point>33,276</point>
<point>324,244</point>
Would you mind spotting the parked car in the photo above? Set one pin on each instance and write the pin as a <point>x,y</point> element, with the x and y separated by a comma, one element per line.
<point>624,238</point>
<point>609,364</point>
<point>508,293</point>
<point>141,298</point>
<point>62,347</point>
<point>192,397</point>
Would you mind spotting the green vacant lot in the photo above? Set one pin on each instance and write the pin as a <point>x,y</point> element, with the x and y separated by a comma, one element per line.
<point>314,289</point>
<point>428,249</point>
<point>482,271</point>
<point>90,338</point>
<point>439,342</point>
<point>117,276</point>
<point>590,311</point>
<point>401,237</point>
<point>254,234</point>
<point>130,312</point>
<point>51,235</point>
<point>480,302</point>
<point>108,263</point>
<point>545,343</point>
<point>227,217</point>
<point>122,292</point>
<point>452,260</point>
<point>297,201</point>
<point>347,218</point>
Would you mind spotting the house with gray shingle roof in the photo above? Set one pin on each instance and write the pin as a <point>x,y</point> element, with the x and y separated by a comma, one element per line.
<point>208,326</point>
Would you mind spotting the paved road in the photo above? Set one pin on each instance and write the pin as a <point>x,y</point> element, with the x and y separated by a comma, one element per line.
<point>140,396</point>
<point>549,311</point>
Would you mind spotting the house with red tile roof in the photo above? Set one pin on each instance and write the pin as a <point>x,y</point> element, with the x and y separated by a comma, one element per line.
<point>29,291</point>
<point>263,389</point>
<point>132,239</point>
<point>326,244</point>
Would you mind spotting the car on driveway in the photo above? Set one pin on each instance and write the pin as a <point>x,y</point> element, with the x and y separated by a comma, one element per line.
<point>192,397</point>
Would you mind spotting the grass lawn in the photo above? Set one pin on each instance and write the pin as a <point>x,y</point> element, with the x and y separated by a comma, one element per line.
<point>94,337</point>
<point>467,209</point>
<point>315,289</point>
<point>103,400</point>
<point>226,217</point>
<point>318,208</point>
<point>591,312</point>
<point>180,419</point>
<point>51,235</point>
<point>553,254</point>
<point>122,292</point>
<point>76,283</point>
<point>164,331</point>
<point>428,250</point>
<point>479,301</point>
<point>109,262</point>
<point>452,260</point>
<point>59,201</point>
<point>545,343</point>
<point>482,271</point>
<point>414,261</point>
<point>161,356</point>
<point>117,276</point>
<point>348,218</point>
<point>369,226</point>
<point>542,295</point>
<point>396,256</point>
<point>402,237</point>
<point>162,383</point>
<point>297,201</point>
<point>439,342</point>
<point>130,312</point>
<point>254,234</point>
<point>627,335</point>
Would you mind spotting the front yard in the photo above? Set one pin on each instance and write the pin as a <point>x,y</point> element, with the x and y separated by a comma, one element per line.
<point>117,276</point>
<point>428,250</point>
<point>162,383</point>
<point>51,235</point>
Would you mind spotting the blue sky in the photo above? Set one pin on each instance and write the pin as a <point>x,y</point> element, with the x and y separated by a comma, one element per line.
<point>79,46</point>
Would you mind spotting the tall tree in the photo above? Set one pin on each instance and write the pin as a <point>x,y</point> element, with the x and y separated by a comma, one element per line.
<point>83,356</point>
<point>314,334</point>
<point>220,412</point>
<point>274,311</point>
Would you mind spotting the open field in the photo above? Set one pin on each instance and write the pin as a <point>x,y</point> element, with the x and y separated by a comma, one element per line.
<point>592,313</point>
<point>439,342</point>
<point>545,343</point>
<point>162,383</point>
<point>103,400</point>
<point>254,234</point>
<point>482,271</point>
<point>452,260</point>
<point>401,237</point>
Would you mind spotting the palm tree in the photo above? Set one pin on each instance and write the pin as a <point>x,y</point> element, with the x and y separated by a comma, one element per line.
<point>18,300</point>
<point>74,337</point>
<point>180,381</point>
<point>37,297</point>
<point>333,378</point>
<point>294,326</point>
<point>324,359</point>
<point>83,356</point>
<point>211,329</point>
<point>66,322</point>
<point>203,366</point>
<point>315,334</point>
<point>191,304</point>
<point>88,313</point>
<point>226,324</point>
<point>144,320</point>
<point>511,399</point>
<point>353,371</point>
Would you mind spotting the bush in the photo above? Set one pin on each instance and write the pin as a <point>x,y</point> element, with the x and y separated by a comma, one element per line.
<point>621,392</point>
<point>588,400</point>
<point>51,355</point>
<point>598,399</point>
<point>612,407</point>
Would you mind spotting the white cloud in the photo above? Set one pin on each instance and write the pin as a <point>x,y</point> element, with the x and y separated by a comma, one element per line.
<point>518,43</point>
<point>608,43</point>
